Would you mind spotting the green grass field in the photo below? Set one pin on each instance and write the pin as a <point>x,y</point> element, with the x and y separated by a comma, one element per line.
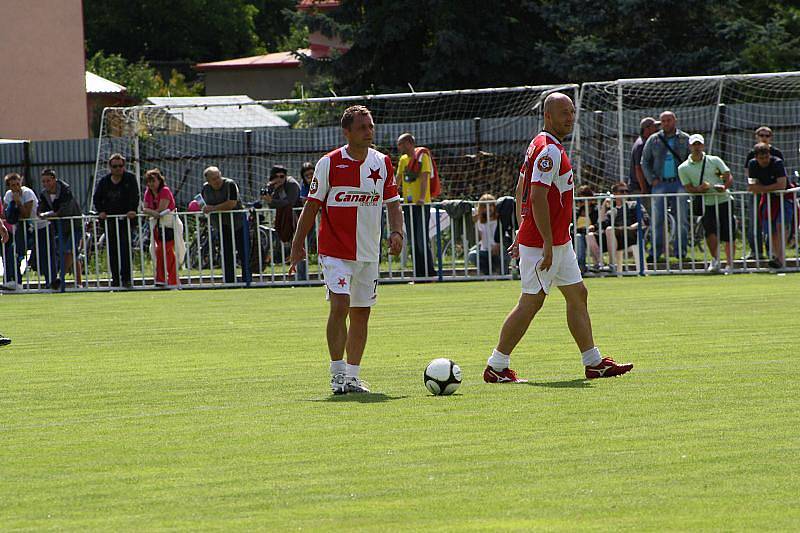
<point>198,410</point>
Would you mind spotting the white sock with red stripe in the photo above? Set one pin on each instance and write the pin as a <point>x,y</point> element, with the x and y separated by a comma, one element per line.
<point>352,370</point>
<point>591,357</point>
<point>338,367</point>
<point>499,361</point>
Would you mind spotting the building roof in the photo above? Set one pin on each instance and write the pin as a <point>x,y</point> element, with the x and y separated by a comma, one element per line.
<point>203,112</point>
<point>322,5</point>
<point>98,85</point>
<point>274,60</point>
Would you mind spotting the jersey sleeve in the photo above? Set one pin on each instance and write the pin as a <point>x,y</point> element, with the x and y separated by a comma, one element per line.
<point>320,183</point>
<point>546,166</point>
<point>390,192</point>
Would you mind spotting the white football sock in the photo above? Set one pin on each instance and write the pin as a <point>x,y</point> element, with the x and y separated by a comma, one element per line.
<point>499,361</point>
<point>591,357</point>
<point>352,371</point>
<point>337,367</point>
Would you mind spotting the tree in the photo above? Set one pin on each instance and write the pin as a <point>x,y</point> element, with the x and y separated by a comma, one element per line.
<point>193,30</point>
<point>430,44</point>
<point>438,44</point>
<point>140,79</point>
<point>273,24</point>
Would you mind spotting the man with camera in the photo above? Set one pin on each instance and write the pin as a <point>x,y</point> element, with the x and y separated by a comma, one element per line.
<point>282,193</point>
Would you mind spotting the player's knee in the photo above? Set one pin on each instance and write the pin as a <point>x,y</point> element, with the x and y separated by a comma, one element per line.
<point>531,303</point>
<point>340,305</point>
<point>580,295</point>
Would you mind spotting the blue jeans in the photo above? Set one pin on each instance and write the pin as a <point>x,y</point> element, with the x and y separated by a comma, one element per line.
<point>481,258</point>
<point>680,212</point>
<point>580,250</point>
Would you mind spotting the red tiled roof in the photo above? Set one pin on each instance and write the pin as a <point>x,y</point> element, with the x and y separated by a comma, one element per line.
<point>306,5</point>
<point>275,60</point>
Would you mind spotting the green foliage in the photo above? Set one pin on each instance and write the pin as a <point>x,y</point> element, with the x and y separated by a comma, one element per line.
<point>435,44</point>
<point>180,410</point>
<point>139,78</point>
<point>193,30</point>
<point>272,24</point>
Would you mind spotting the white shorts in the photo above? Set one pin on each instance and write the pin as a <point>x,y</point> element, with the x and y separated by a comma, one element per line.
<point>359,279</point>
<point>564,271</point>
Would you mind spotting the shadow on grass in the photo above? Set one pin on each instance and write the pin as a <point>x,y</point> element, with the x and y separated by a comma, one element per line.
<point>580,383</point>
<point>373,397</point>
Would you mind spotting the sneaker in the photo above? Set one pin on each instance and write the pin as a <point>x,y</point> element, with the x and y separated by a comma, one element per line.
<point>774,263</point>
<point>355,385</point>
<point>607,368</point>
<point>4,341</point>
<point>337,384</point>
<point>10,285</point>
<point>714,267</point>
<point>490,375</point>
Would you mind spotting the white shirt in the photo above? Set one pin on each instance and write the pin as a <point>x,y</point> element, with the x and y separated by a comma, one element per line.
<point>27,196</point>
<point>486,231</point>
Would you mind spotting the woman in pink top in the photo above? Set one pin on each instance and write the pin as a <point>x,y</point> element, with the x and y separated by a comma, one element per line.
<point>157,199</point>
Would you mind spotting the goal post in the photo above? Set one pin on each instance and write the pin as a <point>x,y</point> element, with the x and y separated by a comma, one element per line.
<point>726,110</point>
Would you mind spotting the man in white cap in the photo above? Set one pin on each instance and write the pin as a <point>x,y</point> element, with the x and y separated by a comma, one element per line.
<point>710,176</point>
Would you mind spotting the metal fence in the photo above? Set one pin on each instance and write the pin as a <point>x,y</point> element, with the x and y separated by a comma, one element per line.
<point>453,240</point>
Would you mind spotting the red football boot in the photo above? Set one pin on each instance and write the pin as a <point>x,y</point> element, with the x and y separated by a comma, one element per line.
<point>608,368</point>
<point>490,375</point>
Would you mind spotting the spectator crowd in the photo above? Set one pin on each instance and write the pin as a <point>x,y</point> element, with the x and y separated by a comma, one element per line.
<point>40,231</point>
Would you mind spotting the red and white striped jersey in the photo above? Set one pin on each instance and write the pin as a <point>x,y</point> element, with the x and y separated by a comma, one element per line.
<point>547,165</point>
<point>352,194</point>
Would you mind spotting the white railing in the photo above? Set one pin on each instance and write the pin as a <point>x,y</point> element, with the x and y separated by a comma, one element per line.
<point>444,241</point>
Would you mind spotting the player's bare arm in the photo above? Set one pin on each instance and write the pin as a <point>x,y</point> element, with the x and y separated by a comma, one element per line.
<point>513,250</point>
<point>304,225</point>
<point>541,215</point>
<point>728,178</point>
<point>395,214</point>
<point>424,177</point>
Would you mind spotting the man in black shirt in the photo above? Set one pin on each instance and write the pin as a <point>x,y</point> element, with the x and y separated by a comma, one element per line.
<point>767,176</point>
<point>755,238</point>
<point>117,193</point>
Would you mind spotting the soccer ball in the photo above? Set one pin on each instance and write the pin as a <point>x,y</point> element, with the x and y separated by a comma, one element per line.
<point>442,377</point>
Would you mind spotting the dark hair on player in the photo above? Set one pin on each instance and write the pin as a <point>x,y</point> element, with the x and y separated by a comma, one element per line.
<point>350,113</point>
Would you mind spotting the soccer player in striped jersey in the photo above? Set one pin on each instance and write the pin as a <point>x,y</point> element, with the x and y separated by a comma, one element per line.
<point>544,248</point>
<point>350,187</point>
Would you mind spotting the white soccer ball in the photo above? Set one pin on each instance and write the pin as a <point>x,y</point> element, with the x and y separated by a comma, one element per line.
<point>442,377</point>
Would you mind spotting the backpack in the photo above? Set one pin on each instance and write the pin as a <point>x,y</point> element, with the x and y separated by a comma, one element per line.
<point>416,162</point>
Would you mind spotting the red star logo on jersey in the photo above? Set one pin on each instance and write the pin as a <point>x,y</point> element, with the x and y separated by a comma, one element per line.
<point>342,282</point>
<point>375,175</point>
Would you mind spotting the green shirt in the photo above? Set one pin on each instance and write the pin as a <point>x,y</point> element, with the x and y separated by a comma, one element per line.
<point>689,173</point>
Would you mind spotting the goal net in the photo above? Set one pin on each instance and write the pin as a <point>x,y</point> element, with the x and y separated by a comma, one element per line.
<point>726,110</point>
<point>477,137</point>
